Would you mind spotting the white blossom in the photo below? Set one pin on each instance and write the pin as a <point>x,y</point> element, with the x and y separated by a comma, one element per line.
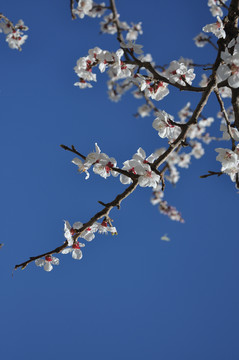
<point>132,47</point>
<point>216,28</point>
<point>201,40</point>
<point>178,73</point>
<point>75,249</point>
<point>227,158</point>
<point>163,124</point>
<point>47,262</point>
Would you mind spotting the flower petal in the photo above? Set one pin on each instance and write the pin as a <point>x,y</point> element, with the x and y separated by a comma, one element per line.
<point>48,266</point>
<point>67,250</point>
<point>77,254</point>
<point>55,261</point>
<point>39,262</point>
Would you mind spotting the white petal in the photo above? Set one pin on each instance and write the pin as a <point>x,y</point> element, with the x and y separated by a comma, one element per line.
<point>141,152</point>
<point>67,225</point>
<point>48,266</point>
<point>97,149</point>
<point>39,262</point>
<point>67,250</point>
<point>55,261</point>
<point>77,254</point>
<point>77,161</point>
<point>88,236</point>
<point>77,225</point>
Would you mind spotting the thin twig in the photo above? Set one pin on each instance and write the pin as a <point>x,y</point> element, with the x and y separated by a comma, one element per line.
<point>223,110</point>
<point>211,173</point>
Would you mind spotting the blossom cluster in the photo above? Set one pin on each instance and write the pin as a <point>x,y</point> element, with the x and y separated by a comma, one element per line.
<point>102,164</point>
<point>128,68</point>
<point>229,69</point>
<point>14,34</point>
<point>103,59</point>
<point>164,207</point>
<point>229,161</point>
<point>228,158</point>
<point>216,7</point>
<point>89,8</point>
<point>74,246</point>
<point>139,165</point>
<point>216,28</point>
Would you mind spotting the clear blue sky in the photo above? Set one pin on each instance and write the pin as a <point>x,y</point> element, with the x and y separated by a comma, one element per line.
<point>132,296</point>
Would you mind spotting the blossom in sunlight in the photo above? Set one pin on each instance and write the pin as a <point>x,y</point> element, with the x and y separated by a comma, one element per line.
<point>156,90</point>
<point>226,135</point>
<point>227,158</point>
<point>97,10</point>
<point>81,167</point>
<point>149,178</point>
<point>225,92</point>
<point>144,110</point>
<point>87,234</point>
<point>230,69</point>
<point>185,112</point>
<point>15,40</point>
<point>104,228</point>
<point>163,124</point>
<point>134,31</point>
<point>83,8</point>
<point>14,37</point>
<point>197,149</point>
<point>184,160</point>
<point>132,166</point>
<point>178,73</point>
<point>201,40</point>
<point>107,25</point>
<point>170,211</point>
<point>158,195</point>
<point>104,166</point>
<point>216,28</point>
<point>47,262</point>
<point>204,80</point>
<point>101,162</point>
<point>132,47</point>
<point>83,84</point>
<point>75,249</point>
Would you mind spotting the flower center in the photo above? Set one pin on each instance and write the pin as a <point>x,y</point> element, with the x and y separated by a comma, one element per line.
<point>132,170</point>
<point>76,246</point>
<point>234,69</point>
<point>108,167</point>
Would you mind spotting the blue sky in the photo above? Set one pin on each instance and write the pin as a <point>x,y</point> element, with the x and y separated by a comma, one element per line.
<point>132,296</point>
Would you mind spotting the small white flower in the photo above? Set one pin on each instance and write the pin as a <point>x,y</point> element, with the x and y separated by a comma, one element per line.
<point>197,149</point>
<point>163,124</point>
<point>47,262</point>
<point>149,179</point>
<point>185,112</point>
<point>201,40</point>
<point>216,28</point>
<point>178,73</point>
<point>144,110</point>
<point>132,47</point>
<point>75,249</point>
<point>227,158</point>
<point>184,160</point>
<point>226,136</point>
